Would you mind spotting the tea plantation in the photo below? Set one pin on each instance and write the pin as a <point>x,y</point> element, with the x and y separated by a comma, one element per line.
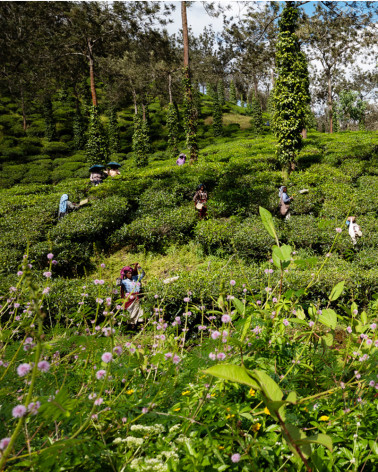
<point>253,359</point>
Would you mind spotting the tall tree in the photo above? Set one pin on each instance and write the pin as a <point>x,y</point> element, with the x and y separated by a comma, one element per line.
<point>190,111</point>
<point>291,91</point>
<point>232,93</point>
<point>336,35</point>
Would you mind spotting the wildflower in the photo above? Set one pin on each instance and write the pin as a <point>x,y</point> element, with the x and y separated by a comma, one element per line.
<point>266,271</point>
<point>338,230</point>
<point>130,392</point>
<point>266,411</point>
<point>50,256</point>
<point>226,318</point>
<point>98,401</point>
<point>215,334</point>
<point>186,299</point>
<point>100,374</point>
<point>23,369</point>
<point>372,383</point>
<point>47,274</point>
<point>252,392</point>
<point>168,355</point>
<point>92,396</point>
<point>256,427</point>
<point>145,410</point>
<point>102,266</point>
<point>357,374</point>
<point>258,302</point>
<point>118,350</point>
<point>221,356</point>
<point>54,262</point>
<point>19,411</point>
<point>311,324</point>
<point>19,273</point>
<point>274,300</point>
<point>107,357</point>
<point>4,443</point>
<point>212,356</point>
<point>176,359</point>
<point>46,290</point>
<point>43,366</point>
<point>285,322</point>
<point>268,289</point>
<point>34,407</point>
<point>235,457</point>
<point>232,282</point>
<point>373,326</point>
<point>187,392</point>
<point>369,342</point>
<point>99,301</point>
<point>342,385</point>
<point>324,418</point>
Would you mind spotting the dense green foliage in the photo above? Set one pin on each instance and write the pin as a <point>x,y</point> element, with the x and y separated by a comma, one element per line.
<point>96,147</point>
<point>291,89</point>
<point>173,132</point>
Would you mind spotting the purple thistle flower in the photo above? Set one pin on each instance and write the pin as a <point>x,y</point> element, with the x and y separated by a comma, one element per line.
<point>118,350</point>
<point>232,282</point>
<point>176,359</point>
<point>102,266</point>
<point>47,274</point>
<point>34,407</point>
<point>373,326</point>
<point>43,366</point>
<point>235,457</point>
<point>212,356</point>
<point>50,256</point>
<point>168,355</point>
<point>107,357</point>
<point>186,299</point>
<point>100,374</point>
<point>19,411</point>
<point>221,356</point>
<point>215,334</point>
<point>92,396</point>
<point>98,401</point>
<point>46,290</point>
<point>145,410</point>
<point>23,369</point>
<point>349,329</point>
<point>19,273</point>
<point>4,443</point>
<point>226,318</point>
<point>338,230</point>
<point>285,322</point>
<point>372,383</point>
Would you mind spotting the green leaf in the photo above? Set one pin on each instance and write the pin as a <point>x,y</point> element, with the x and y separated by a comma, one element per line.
<point>327,339</point>
<point>282,253</point>
<point>234,373</point>
<point>364,318</point>
<point>240,307</point>
<point>328,318</point>
<point>267,220</point>
<point>336,291</point>
<point>292,397</point>
<point>269,387</point>
<point>247,325</point>
<point>322,439</point>
<point>296,435</point>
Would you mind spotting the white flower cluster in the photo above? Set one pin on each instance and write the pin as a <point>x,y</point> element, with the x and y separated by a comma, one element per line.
<point>175,427</point>
<point>182,438</point>
<point>153,429</point>
<point>132,441</point>
<point>149,465</point>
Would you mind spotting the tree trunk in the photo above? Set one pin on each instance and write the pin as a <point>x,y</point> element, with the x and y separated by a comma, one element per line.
<point>330,110</point>
<point>170,87</point>
<point>185,34</point>
<point>255,87</point>
<point>135,102</point>
<point>91,76</point>
<point>24,123</point>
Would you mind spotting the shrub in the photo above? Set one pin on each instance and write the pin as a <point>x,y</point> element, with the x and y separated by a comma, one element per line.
<point>55,147</point>
<point>155,231</point>
<point>92,223</point>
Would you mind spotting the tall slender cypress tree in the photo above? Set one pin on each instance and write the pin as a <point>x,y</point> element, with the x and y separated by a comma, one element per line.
<point>232,93</point>
<point>291,91</point>
<point>113,132</point>
<point>217,118</point>
<point>96,149</point>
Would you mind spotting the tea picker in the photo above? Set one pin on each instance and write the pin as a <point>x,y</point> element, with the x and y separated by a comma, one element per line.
<point>354,229</point>
<point>200,201</point>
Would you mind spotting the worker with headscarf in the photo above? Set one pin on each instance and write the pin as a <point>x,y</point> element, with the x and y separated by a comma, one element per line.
<point>65,206</point>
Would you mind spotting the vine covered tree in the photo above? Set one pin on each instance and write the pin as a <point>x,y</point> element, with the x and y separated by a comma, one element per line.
<point>220,93</point>
<point>217,117</point>
<point>232,93</point>
<point>113,132</point>
<point>96,149</point>
<point>50,126</point>
<point>190,111</point>
<point>291,91</point>
<point>257,122</point>
<point>172,125</point>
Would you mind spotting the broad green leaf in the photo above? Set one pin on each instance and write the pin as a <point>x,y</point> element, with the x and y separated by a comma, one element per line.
<point>247,325</point>
<point>336,291</point>
<point>295,436</point>
<point>327,339</point>
<point>267,220</point>
<point>364,318</point>
<point>247,415</point>
<point>283,253</point>
<point>328,318</point>
<point>269,387</point>
<point>373,446</point>
<point>240,307</point>
<point>299,313</point>
<point>234,373</point>
<point>322,439</point>
<point>292,397</point>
